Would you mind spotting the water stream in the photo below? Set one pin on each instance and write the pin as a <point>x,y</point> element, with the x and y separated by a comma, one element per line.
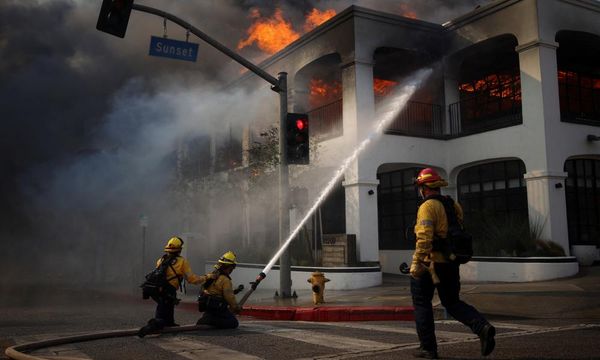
<point>392,107</point>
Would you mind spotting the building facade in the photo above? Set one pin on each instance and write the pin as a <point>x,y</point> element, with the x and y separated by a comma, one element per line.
<point>510,116</point>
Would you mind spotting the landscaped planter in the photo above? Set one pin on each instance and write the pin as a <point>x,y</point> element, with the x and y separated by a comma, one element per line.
<point>518,269</point>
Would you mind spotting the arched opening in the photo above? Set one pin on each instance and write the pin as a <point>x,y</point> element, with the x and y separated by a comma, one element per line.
<point>397,202</point>
<point>489,87</point>
<point>578,60</point>
<point>318,92</point>
<point>494,200</point>
<point>583,201</point>
<point>423,114</point>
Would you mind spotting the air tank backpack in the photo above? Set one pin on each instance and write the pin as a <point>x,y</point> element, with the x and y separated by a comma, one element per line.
<point>156,281</point>
<point>458,244</point>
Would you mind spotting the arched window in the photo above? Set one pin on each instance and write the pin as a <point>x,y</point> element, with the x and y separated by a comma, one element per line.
<point>494,200</point>
<point>397,202</point>
<point>578,60</point>
<point>583,201</point>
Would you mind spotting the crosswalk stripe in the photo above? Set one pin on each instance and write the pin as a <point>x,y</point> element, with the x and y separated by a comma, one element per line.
<point>190,348</point>
<point>320,338</point>
<point>407,331</point>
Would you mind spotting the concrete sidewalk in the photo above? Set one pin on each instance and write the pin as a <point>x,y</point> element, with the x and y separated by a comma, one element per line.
<point>577,296</point>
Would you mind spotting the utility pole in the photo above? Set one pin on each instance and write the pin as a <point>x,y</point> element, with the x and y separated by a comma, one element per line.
<point>278,85</point>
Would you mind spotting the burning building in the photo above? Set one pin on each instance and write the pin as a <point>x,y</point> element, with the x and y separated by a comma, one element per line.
<point>505,117</point>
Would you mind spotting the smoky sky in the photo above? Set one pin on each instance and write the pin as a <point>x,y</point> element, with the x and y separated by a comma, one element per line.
<point>89,122</point>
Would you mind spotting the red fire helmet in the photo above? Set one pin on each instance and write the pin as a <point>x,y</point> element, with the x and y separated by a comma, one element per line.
<point>430,178</point>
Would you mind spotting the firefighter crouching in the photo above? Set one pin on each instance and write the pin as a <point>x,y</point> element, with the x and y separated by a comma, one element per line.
<point>217,299</point>
<point>166,299</point>
<point>318,280</point>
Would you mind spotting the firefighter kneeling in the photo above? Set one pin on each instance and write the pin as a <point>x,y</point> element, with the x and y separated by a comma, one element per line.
<point>217,299</point>
<point>318,280</point>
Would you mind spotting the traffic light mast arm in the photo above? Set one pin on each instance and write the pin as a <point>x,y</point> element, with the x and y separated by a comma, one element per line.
<point>214,43</point>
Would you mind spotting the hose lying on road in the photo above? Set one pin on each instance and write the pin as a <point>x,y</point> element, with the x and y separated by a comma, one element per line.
<point>17,352</point>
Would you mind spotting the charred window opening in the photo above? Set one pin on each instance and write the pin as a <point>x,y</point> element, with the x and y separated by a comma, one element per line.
<point>229,151</point>
<point>578,60</point>
<point>422,115</point>
<point>489,88</point>
<point>397,202</point>
<point>583,201</point>
<point>494,201</point>
<point>318,92</point>
<point>193,158</point>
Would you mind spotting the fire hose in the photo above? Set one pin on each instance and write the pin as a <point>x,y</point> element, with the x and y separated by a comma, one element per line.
<point>17,352</point>
<point>253,286</point>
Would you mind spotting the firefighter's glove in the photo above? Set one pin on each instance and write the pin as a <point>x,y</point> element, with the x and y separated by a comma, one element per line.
<point>236,309</point>
<point>417,267</point>
<point>212,275</point>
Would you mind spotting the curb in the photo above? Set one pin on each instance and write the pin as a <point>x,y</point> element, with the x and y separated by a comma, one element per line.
<point>322,313</point>
<point>331,313</point>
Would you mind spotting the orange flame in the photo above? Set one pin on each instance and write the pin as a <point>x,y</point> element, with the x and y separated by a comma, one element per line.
<point>383,87</point>
<point>316,18</point>
<point>322,93</point>
<point>497,85</point>
<point>407,12</point>
<point>269,34</point>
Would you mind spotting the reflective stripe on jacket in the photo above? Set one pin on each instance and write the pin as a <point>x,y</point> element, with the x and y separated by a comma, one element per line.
<point>432,222</point>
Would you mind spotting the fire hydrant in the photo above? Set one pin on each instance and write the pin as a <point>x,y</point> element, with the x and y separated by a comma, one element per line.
<point>318,280</point>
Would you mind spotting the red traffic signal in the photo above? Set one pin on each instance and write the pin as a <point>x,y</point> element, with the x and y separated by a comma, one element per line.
<point>301,124</point>
<point>297,139</point>
<point>114,17</point>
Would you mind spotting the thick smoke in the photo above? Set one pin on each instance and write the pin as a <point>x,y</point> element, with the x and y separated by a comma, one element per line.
<point>92,126</point>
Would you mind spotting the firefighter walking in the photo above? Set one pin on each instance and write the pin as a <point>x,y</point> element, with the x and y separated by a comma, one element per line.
<point>217,299</point>
<point>431,269</point>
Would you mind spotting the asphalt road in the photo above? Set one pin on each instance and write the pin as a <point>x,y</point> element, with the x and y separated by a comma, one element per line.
<point>561,331</point>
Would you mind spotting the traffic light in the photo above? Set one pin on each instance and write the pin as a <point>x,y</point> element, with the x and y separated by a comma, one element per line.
<point>114,16</point>
<point>297,139</point>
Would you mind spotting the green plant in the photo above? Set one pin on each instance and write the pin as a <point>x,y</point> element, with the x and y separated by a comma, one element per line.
<point>510,235</point>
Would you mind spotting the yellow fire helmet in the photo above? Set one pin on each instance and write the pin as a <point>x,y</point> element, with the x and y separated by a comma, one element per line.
<point>228,258</point>
<point>174,245</point>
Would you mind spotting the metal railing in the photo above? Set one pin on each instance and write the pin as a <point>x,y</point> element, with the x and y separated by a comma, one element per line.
<point>418,119</point>
<point>482,113</point>
<point>327,121</point>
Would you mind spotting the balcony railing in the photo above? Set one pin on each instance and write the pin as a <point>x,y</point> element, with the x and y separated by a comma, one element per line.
<point>469,116</point>
<point>483,113</point>
<point>327,121</point>
<point>418,119</point>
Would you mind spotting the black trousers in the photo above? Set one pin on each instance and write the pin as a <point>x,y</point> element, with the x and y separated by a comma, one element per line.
<point>165,308</point>
<point>448,290</point>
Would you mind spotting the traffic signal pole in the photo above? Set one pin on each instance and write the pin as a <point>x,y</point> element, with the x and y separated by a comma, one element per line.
<point>285,269</point>
<point>279,85</point>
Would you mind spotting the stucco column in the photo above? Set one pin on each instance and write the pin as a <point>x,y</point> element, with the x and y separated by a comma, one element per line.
<point>361,217</point>
<point>451,95</point>
<point>359,118</point>
<point>547,207</point>
<point>541,120</point>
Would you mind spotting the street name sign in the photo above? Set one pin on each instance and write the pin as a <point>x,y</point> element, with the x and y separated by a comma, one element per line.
<point>174,49</point>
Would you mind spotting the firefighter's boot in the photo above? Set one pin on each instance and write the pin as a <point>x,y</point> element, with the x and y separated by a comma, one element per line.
<point>486,337</point>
